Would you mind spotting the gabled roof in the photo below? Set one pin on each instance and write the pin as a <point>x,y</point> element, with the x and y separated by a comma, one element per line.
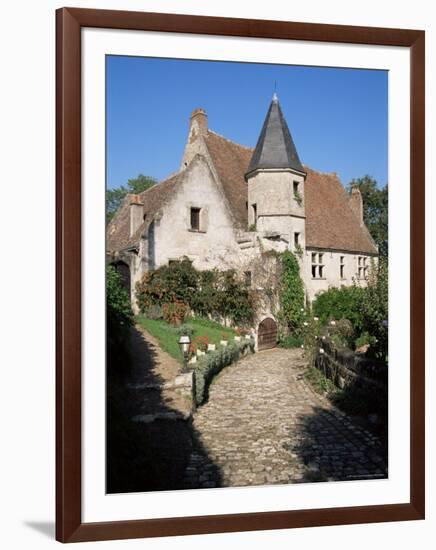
<point>154,198</point>
<point>330,221</point>
<point>275,147</point>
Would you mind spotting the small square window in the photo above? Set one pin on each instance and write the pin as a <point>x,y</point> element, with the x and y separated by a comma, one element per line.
<point>314,257</point>
<point>195,219</point>
<point>247,277</point>
<point>296,187</point>
<point>320,257</point>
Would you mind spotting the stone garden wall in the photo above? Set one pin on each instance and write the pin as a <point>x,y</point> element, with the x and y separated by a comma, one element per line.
<point>347,368</point>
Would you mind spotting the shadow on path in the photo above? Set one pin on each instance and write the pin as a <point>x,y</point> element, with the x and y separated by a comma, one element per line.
<point>334,447</point>
<point>146,456</point>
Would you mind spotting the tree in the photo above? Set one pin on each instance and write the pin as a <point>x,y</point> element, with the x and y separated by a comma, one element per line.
<point>119,315</point>
<point>115,196</point>
<point>375,210</point>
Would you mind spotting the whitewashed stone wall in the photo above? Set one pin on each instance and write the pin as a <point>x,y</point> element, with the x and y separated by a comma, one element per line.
<point>173,237</point>
<point>331,271</point>
<point>277,209</point>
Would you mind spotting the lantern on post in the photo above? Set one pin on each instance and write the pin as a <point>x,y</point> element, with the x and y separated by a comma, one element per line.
<point>184,344</point>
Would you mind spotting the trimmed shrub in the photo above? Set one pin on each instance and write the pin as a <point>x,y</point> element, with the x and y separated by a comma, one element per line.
<point>213,362</point>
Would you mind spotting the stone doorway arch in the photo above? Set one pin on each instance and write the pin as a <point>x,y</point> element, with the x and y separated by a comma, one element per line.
<point>267,334</point>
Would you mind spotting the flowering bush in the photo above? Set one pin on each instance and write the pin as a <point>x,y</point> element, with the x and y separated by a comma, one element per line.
<point>175,312</point>
<point>211,293</point>
<point>201,342</point>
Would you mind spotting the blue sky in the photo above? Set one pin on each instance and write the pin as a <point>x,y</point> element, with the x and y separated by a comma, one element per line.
<point>337,117</point>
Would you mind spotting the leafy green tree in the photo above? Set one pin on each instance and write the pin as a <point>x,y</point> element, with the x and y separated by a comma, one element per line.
<point>119,315</point>
<point>115,196</point>
<point>340,303</point>
<point>375,210</point>
<point>375,308</point>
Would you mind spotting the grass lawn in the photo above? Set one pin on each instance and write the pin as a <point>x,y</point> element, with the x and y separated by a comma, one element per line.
<point>168,335</point>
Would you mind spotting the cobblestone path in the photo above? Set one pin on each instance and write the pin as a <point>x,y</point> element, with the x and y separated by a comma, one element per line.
<point>263,424</point>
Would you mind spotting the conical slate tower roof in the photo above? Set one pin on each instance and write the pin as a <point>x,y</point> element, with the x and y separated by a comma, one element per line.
<point>275,147</point>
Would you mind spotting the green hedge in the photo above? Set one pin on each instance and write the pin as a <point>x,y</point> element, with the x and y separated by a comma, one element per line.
<point>212,363</point>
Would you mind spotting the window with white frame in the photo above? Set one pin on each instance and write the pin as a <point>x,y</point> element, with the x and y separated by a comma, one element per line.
<point>342,267</point>
<point>362,267</point>
<point>318,267</point>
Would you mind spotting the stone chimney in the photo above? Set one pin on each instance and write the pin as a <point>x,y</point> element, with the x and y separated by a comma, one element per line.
<point>136,213</point>
<point>198,125</point>
<point>356,203</point>
<point>195,145</point>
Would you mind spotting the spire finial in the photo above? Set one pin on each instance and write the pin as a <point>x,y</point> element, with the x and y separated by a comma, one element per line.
<point>275,98</point>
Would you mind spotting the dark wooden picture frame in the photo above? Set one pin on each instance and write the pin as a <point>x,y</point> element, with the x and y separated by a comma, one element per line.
<point>69,526</point>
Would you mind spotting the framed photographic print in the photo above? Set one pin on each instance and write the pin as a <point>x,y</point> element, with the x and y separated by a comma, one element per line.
<point>240,293</point>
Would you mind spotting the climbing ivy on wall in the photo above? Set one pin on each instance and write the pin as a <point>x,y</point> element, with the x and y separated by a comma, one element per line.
<point>291,293</point>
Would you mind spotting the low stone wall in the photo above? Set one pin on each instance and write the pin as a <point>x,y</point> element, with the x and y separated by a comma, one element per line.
<point>214,361</point>
<point>347,368</point>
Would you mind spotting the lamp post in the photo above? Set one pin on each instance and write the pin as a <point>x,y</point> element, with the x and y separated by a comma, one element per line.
<point>184,344</point>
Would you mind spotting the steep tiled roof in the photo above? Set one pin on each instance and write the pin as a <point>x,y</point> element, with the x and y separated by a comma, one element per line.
<point>275,147</point>
<point>230,161</point>
<point>118,231</point>
<point>330,221</point>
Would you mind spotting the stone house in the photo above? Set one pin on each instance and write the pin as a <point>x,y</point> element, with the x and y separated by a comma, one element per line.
<point>229,205</point>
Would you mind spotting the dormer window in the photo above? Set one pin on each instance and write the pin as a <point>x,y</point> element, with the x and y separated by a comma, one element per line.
<point>195,219</point>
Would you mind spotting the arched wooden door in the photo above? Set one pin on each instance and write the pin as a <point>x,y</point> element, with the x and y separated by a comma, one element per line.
<point>267,334</point>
